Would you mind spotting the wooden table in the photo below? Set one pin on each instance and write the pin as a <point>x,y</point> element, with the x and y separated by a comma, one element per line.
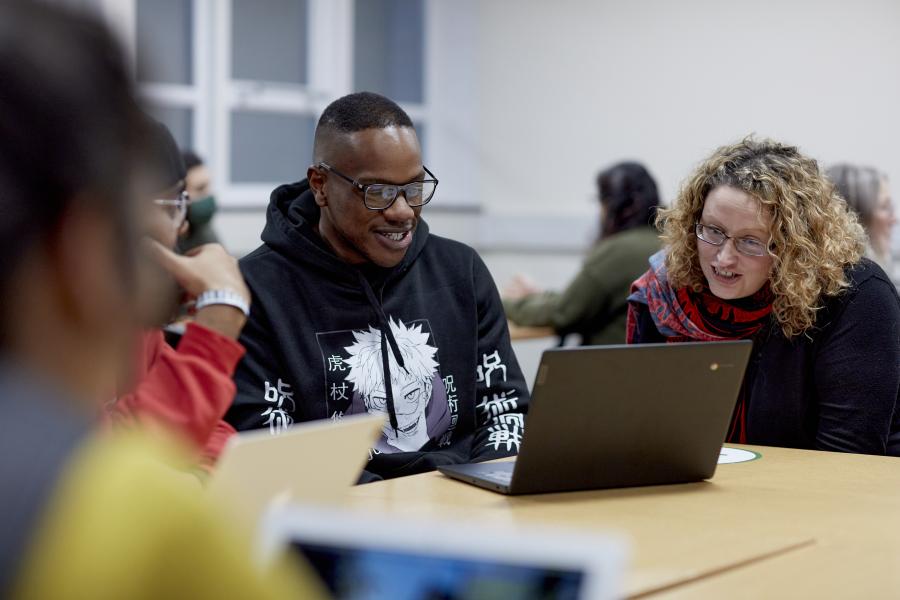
<point>793,523</point>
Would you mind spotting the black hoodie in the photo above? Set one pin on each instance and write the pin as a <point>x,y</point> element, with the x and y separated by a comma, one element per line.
<point>321,330</point>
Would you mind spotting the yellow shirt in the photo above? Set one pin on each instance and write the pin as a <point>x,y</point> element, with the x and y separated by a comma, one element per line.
<point>122,524</point>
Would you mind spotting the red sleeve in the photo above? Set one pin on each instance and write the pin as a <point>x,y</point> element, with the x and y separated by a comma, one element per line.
<point>185,391</point>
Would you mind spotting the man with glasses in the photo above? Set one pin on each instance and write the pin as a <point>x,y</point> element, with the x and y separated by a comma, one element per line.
<point>358,308</point>
<point>187,390</point>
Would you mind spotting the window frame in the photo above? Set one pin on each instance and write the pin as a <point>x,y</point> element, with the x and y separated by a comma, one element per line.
<point>447,111</point>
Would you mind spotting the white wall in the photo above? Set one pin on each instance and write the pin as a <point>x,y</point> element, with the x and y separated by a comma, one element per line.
<point>571,85</point>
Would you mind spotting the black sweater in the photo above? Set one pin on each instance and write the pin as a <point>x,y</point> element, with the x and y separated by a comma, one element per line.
<point>314,344</point>
<point>836,388</point>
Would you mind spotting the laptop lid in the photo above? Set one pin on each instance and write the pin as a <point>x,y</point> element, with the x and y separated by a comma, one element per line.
<point>371,556</point>
<point>628,415</point>
<point>313,462</point>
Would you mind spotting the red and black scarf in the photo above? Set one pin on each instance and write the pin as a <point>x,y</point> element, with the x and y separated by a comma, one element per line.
<point>683,315</point>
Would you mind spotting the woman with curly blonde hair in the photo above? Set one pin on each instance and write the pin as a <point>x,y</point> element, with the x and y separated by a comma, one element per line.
<point>760,246</point>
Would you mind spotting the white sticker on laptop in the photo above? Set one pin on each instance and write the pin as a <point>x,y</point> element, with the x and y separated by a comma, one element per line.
<point>730,456</point>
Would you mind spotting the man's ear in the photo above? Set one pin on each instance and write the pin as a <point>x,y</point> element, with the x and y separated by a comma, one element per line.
<point>317,184</point>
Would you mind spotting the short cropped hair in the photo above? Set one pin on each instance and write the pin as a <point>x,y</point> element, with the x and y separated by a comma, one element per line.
<point>813,239</point>
<point>164,164</point>
<point>357,112</point>
<point>191,159</point>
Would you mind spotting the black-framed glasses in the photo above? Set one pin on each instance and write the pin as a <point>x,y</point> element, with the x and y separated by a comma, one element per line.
<point>380,196</point>
<point>176,208</point>
<point>715,236</point>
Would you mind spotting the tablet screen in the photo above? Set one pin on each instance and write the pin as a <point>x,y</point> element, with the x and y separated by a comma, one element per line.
<point>371,573</point>
<point>364,555</point>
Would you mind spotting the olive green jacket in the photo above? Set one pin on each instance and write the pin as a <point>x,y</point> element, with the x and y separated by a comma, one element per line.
<point>594,304</point>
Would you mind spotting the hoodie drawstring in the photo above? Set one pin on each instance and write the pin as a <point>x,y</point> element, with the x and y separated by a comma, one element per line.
<point>387,340</point>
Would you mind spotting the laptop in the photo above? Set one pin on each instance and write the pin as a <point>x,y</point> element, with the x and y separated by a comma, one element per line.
<point>315,462</point>
<point>621,416</point>
<point>368,556</point>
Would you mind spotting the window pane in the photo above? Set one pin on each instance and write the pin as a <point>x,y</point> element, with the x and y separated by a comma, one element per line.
<point>269,41</point>
<point>388,48</point>
<point>164,35</point>
<point>270,147</point>
<point>421,133</point>
<point>180,122</point>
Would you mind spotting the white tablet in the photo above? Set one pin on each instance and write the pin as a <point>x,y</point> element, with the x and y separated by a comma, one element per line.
<point>368,556</point>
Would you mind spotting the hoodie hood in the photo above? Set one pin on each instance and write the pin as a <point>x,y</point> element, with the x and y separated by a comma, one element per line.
<point>291,220</point>
<point>290,229</point>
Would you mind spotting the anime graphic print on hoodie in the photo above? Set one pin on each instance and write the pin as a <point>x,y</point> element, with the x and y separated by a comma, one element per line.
<point>322,333</point>
<point>354,383</point>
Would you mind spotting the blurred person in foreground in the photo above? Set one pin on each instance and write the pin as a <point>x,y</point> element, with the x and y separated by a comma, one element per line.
<point>594,304</point>
<point>868,193</point>
<point>84,514</point>
<point>185,391</point>
<point>202,208</point>
<point>760,246</point>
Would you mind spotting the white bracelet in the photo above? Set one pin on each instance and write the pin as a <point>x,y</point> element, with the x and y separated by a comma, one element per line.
<point>227,297</point>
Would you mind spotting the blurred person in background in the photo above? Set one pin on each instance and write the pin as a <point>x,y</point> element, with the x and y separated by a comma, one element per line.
<point>84,514</point>
<point>594,304</point>
<point>868,193</point>
<point>185,390</point>
<point>202,207</point>
<point>760,246</point>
